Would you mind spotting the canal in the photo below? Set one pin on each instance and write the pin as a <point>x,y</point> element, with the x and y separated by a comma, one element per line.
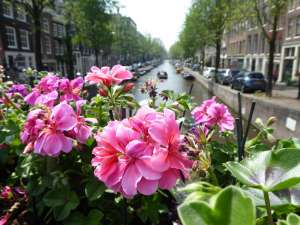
<point>174,82</point>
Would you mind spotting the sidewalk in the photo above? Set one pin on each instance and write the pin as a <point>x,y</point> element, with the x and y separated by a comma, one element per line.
<point>284,98</point>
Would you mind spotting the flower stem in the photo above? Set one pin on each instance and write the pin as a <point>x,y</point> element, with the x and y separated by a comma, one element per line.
<point>213,176</point>
<point>268,207</point>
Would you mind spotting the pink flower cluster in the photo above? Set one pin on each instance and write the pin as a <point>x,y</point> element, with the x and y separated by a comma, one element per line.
<point>51,131</point>
<point>17,88</point>
<point>50,87</point>
<point>212,113</point>
<point>140,154</point>
<point>107,76</point>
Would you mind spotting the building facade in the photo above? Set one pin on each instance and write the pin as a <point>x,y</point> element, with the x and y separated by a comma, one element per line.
<point>16,37</point>
<point>247,47</point>
<point>17,41</point>
<point>290,52</point>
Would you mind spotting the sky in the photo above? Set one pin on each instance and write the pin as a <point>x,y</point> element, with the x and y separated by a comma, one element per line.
<point>161,18</point>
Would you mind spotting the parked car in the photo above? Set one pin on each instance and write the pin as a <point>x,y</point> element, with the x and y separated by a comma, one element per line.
<point>195,67</point>
<point>162,75</point>
<point>225,76</point>
<point>188,76</point>
<point>209,72</point>
<point>249,81</point>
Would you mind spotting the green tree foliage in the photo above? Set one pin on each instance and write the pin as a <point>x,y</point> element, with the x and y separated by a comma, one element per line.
<point>92,22</point>
<point>129,45</point>
<point>176,51</point>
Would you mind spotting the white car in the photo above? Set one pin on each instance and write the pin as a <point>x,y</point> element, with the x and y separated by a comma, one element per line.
<point>209,72</point>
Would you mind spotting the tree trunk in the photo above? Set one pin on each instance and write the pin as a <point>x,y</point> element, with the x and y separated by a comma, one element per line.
<point>298,97</point>
<point>218,55</point>
<point>96,57</point>
<point>69,52</point>
<point>37,37</point>
<point>203,60</point>
<point>272,48</point>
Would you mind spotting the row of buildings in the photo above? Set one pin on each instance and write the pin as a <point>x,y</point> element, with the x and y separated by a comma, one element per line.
<point>17,41</point>
<point>245,46</point>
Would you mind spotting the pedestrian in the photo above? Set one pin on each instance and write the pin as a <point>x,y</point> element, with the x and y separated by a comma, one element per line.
<point>275,75</point>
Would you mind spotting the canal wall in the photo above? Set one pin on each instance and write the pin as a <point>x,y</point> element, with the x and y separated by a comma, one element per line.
<point>287,114</point>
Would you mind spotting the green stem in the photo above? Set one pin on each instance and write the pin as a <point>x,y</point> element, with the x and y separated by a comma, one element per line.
<point>213,176</point>
<point>268,207</point>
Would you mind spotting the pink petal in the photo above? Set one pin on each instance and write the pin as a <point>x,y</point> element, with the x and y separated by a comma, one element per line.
<point>158,133</point>
<point>147,171</point>
<point>64,116</point>
<point>52,145</point>
<point>66,143</point>
<point>135,148</point>
<point>168,179</point>
<point>147,187</point>
<point>130,180</point>
<point>159,160</point>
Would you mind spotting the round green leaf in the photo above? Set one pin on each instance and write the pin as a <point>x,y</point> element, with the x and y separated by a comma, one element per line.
<point>270,170</point>
<point>229,207</point>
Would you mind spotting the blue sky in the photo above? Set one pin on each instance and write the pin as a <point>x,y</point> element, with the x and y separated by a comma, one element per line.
<point>161,18</point>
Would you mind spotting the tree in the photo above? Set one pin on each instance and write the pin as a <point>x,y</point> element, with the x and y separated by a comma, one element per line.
<point>35,9</point>
<point>268,13</point>
<point>176,51</point>
<point>92,23</point>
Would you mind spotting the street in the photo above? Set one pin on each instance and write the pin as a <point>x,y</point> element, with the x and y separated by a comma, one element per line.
<point>174,82</point>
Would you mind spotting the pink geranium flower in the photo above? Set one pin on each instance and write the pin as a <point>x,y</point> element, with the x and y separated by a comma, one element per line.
<point>81,131</point>
<point>200,112</point>
<point>219,115</point>
<point>211,114</point>
<point>18,88</point>
<point>45,92</point>
<point>108,76</point>
<point>6,193</point>
<point>44,130</point>
<point>137,155</point>
<point>70,89</point>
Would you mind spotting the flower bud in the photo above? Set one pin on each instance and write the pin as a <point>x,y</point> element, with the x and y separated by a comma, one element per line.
<point>128,87</point>
<point>103,92</point>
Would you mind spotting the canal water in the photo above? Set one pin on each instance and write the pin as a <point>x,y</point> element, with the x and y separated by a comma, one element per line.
<point>174,82</point>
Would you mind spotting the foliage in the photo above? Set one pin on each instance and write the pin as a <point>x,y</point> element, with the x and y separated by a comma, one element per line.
<point>229,207</point>
<point>91,19</point>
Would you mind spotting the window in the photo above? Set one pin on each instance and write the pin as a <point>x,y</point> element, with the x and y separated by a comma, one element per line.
<point>298,26</point>
<point>11,37</point>
<point>60,30</point>
<point>290,27</point>
<point>21,15</point>
<point>46,25</point>
<point>7,9</point>
<point>24,39</point>
<point>59,49</point>
<point>30,61</point>
<point>47,45</point>
<point>54,32</point>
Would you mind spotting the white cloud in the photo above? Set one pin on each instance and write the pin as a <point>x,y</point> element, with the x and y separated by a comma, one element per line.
<point>161,18</point>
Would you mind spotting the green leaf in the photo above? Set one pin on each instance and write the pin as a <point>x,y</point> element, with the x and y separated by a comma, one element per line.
<point>94,217</point>
<point>277,199</point>
<point>63,211</point>
<point>75,218</point>
<point>229,207</point>
<point>270,170</point>
<point>292,219</point>
<point>94,189</point>
<point>55,198</point>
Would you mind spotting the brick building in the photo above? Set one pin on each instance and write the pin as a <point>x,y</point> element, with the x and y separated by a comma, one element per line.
<point>16,37</point>
<point>17,41</point>
<point>247,48</point>
<point>290,52</point>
